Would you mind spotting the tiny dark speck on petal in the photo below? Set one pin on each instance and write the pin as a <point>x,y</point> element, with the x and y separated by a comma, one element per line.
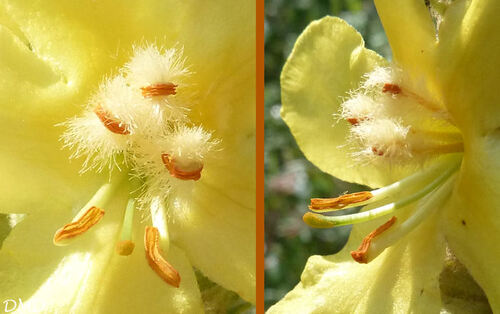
<point>464,223</point>
<point>421,291</point>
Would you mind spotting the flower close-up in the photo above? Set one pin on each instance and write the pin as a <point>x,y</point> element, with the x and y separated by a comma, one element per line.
<point>128,154</point>
<point>422,131</point>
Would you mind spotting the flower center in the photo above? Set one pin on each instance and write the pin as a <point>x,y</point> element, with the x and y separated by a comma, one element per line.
<point>393,121</point>
<point>147,138</point>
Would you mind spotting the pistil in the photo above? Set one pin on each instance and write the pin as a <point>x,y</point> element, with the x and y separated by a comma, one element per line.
<point>126,246</point>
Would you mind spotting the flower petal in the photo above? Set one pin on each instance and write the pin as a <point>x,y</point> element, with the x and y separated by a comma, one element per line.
<point>472,219</point>
<point>412,36</point>
<point>216,229</point>
<point>468,64</point>
<point>220,47</point>
<point>329,60</point>
<point>88,276</point>
<point>402,279</point>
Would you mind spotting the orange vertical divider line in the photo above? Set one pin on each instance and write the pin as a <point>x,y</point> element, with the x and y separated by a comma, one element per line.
<point>260,155</point>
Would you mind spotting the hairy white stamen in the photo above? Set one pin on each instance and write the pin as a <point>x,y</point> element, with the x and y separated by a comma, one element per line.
<point>392,117</point>
<point>152,66</point>
<point>189,144</point>
<point>89,138</point>
<point>380,76</point>
<point>383,137</point>
<point>186,146</point>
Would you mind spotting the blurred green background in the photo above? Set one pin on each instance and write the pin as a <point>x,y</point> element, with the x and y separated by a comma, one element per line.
<point>291,180</point>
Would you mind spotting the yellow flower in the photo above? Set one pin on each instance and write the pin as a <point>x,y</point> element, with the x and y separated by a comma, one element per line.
<point>54,55</point>
<point>425,129</point>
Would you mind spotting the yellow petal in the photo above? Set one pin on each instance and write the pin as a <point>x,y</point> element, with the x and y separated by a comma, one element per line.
<point>220,46</point>
<point>472,220</point>
<point>403,279</point>
<point>216,229</point>
<point>412,36</point>
<point>88,276</point>
<point>329,60</point>
<point>468,65</point>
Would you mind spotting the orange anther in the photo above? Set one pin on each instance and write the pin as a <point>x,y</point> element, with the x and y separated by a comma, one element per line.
<point>353,121</point>
<point>159,90</point>
<point>169,163</point>
<point>112,124</point>
<point>391,88</point>
<point>339,202</point>
<point>377,151</point>
<point>91,217</point>
<point>360,255</point>
<point>156,260</point>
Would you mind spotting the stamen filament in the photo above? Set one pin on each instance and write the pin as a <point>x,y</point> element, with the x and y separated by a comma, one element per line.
<point>346,201</point>
<point>450,136</point>
<point>126,246</point>
<point>435,148</point>
<point>156,260</point>
<point>426,207</point>
<point>160,222</point>
<point>321,221</point>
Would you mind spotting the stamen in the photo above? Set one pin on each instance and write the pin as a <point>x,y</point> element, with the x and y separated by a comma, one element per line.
<point>112,124</point>
<point>425,208</point>
<point>353,121</point>
<point>321,221</point>
<point>159,90</point>
<point>170,164</point>
<point>318,204</point>
<point>125,246</point>
<point>404,185</point>
<point>155,259</point>
<point>92,216</point>
<point>360,254</point>
<point>377,151</point>
<point>391,88</point>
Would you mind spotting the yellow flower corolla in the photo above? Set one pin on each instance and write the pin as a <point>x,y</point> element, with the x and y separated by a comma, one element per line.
<point>53,56</point>
<point>450,74</point>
